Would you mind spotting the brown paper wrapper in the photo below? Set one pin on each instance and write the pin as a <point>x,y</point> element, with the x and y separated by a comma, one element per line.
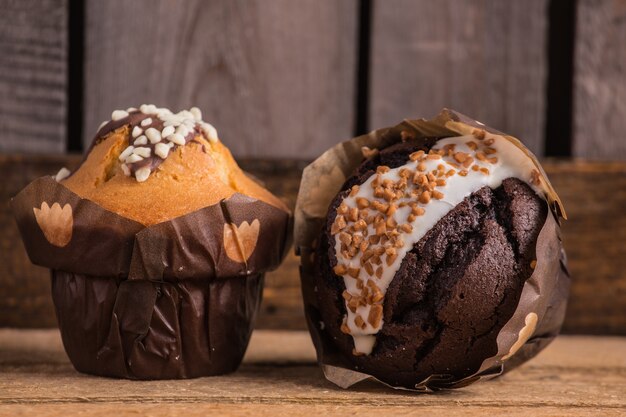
<point>174,300</point>
<point>541,307</point>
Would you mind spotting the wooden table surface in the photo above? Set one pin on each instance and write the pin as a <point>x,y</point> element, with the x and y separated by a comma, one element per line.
<point>575,376</point>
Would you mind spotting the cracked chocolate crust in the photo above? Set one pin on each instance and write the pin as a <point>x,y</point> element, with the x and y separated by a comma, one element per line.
<point>455,289</point>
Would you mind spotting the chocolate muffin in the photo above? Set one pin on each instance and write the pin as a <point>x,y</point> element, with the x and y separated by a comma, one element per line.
<point>423,256</point>
<point>157,244</point>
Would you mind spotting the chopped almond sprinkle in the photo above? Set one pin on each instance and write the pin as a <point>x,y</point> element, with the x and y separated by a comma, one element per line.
<point>375,316</point>
<point>418,211</point>
<point>340,269</point>
<point>353,214</point>
<point>437,195</point>
<point>338,225</point>
<point>424,197</point>
<point>353,272</point>
<point>354,190</point>
<point>345,238</point>
<point>358,320</point>
<point>460,157</point>
<point>416,155</point>
<point>379,272</point>
<point>362,202</point>
<point>478,134</point>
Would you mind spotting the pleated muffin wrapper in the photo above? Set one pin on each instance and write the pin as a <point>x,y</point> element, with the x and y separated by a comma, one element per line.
<point>539,314</point>
<point>174,300</point>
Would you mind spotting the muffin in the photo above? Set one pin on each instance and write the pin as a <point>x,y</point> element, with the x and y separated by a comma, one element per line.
<point>157,244</point>
<point>423,256</point>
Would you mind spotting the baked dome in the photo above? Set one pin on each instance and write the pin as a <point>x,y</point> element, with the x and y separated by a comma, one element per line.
<point>151,165</point>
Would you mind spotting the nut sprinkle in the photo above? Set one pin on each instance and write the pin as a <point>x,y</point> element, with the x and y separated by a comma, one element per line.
<point>379,221</point>
<point>154,134</point>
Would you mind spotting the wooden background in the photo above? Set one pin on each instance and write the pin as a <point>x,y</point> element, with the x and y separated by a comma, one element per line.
<point>284,80</point>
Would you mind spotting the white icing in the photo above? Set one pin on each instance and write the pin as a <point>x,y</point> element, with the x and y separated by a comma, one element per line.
<point>512,162</point>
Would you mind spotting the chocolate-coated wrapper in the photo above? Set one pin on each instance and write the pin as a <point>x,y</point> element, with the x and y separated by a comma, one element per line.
<point>174,300</point>
<point>540,310</point>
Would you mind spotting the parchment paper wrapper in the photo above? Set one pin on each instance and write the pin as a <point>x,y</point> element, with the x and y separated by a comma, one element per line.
<point>174,300</point>
<point>541,308</point>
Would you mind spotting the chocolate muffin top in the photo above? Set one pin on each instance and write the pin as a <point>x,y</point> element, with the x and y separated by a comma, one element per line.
<point>425,253</point>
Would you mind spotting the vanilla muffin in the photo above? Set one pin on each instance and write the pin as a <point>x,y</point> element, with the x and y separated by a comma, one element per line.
<point>157,244</point>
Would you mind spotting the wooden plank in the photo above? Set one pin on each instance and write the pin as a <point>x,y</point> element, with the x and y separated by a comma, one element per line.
<point>594,195</point>
<point>574,376</point>
<point>24,288</point>
<point>486,59</point>
<point>33,75</point>
<point>275,78</point>
<point>289,410</point>
<point>599,87</point>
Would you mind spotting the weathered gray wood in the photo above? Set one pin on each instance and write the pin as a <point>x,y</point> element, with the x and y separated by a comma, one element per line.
<point>484,58</point>
<point>33,75</point>
<point>574,376</point>
<point>600,80</point>
<point>275,78</point>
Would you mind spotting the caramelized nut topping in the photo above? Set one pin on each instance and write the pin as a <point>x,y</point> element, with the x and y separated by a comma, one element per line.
<point>340,269</point>
<point>362,202</point>
<point>478,134</point>
<point>375,316</point>
<point>369,232</point>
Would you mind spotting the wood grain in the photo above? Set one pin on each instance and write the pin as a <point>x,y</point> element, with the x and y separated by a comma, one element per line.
<point>25,299</point>
<point>275,78</point>
<point>599,80</point>
<point>33,75</point>
<point>486,59</point>
<point>594,194</point>
<point>574,376</point>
